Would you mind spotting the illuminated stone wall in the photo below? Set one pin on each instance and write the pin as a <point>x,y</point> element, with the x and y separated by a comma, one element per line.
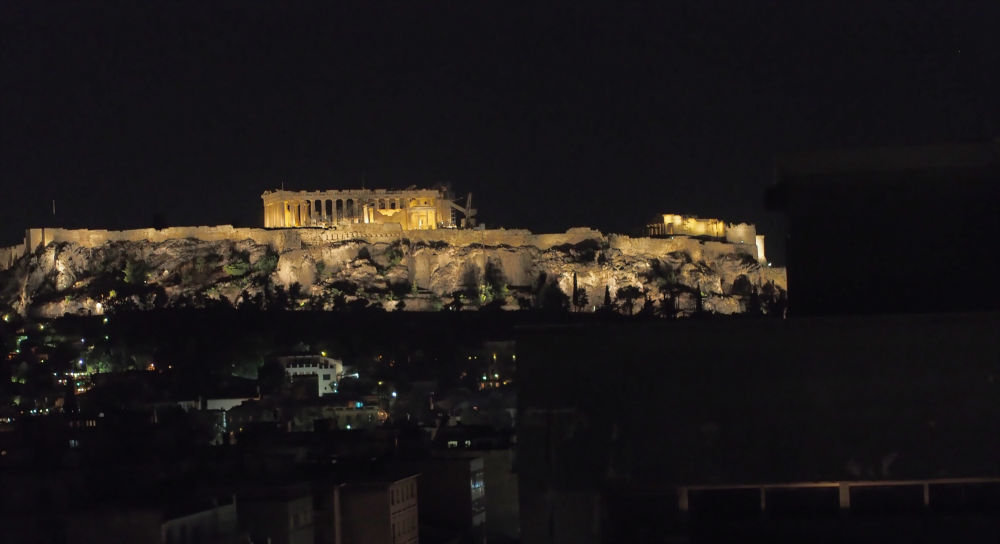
<point>277,239</point>
<point>759,242</point>
<point>741,233</point>
<point>288,239</point>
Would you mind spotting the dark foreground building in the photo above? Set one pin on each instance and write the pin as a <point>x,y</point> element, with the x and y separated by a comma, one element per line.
<point>636,432</point>
<point>905,229</point>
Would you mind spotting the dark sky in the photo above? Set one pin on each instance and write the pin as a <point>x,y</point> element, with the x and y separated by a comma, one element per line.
<point>553,117</point>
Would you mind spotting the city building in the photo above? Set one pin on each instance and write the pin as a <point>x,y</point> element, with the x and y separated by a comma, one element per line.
<point>183,523</point>
<point>327,371</point>
<point>281,514</point>
<point>903,397</point>
<point>502,512</point>
<point>380,510</point>
<point>454,492</point>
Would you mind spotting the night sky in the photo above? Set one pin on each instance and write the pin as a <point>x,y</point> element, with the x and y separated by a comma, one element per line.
<point>553,117</point>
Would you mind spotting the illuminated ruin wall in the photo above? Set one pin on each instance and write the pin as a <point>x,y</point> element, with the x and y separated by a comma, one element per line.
<point>411,209</point>
<point>671,224</point>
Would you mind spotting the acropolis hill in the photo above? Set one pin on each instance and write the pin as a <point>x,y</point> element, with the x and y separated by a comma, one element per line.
<point>391,250</point>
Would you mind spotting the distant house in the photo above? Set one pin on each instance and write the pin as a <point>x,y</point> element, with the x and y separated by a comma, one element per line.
<point>327,371</point>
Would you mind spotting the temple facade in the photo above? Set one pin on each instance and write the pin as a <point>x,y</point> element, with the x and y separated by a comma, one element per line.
<point>412,209</point>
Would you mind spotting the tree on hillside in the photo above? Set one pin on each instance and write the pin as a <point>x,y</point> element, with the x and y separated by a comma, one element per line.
<point>608,305</point>
<point>579,296</point>
<point>552,298</point>
<point>627,296</point>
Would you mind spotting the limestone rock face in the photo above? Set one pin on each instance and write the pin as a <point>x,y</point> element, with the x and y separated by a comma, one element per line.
<point>295,266</point>
<point>672,277</point>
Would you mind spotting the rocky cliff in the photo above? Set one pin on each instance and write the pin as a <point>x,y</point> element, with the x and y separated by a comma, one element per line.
<point>676,276</point>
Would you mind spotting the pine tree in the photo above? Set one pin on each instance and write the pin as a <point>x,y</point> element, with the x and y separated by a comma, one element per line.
<point>576,299</point>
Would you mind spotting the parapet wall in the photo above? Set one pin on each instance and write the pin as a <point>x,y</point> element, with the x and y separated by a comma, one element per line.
<point>455,237</point>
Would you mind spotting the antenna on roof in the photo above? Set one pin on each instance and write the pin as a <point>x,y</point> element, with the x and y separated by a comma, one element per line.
<point>282,185</point>
<point>53,206</point>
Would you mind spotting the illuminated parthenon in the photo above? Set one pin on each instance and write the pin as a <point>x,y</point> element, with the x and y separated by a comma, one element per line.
<point>412,209</point>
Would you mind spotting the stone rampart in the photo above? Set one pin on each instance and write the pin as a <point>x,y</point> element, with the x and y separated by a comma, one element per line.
<point>455,237</point>
<point>295,238</point>
<point>699,250</point>
<point>745,233</point>
<point>279,239</point>
<point>282,240</point>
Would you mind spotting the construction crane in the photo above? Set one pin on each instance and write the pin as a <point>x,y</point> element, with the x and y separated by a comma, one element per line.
<point>468,211</point>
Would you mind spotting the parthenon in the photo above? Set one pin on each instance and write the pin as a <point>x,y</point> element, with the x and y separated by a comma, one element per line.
<point>412,209</point>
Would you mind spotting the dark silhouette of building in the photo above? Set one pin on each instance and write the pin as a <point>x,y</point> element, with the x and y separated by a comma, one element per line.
<point>885,230</point>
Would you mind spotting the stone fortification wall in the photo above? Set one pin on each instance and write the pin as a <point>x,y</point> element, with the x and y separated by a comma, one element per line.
<point>699,250</point>
<point>295,238</point>
<point>692,226</point>
<point>741,233</point>
<point>455,237</point>
<point>279,239</point>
